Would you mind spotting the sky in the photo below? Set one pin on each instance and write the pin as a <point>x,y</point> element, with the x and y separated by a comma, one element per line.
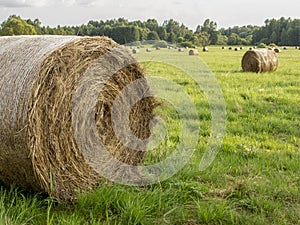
<point>227,13</point>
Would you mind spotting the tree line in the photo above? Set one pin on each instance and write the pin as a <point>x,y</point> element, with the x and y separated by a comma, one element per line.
<point>277,31</point>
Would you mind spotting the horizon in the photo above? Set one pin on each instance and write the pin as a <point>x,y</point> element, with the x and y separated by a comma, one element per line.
<point>144,20</point>
<point>191,13</point>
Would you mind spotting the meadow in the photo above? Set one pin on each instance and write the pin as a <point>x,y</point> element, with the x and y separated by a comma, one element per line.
<point>254,179</point>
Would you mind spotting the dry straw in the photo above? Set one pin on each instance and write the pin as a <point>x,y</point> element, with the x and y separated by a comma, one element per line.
<point>259,61</point>
<point>38,77</point>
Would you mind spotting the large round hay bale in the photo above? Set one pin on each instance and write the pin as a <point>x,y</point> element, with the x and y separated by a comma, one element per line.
<point>38,79</point>
<point>262,60</point>
<point>193,52</point>
<point>205,49</point>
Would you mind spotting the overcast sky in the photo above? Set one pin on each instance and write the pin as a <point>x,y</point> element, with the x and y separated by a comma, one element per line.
<point>189,12</point>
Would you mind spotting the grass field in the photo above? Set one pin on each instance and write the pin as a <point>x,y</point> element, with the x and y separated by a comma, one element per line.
<point>254,179</point>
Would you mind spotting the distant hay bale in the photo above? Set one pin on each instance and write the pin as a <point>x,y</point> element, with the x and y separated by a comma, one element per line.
<point>193,52</point>
<point>39,76</point>
<point>270,48</point>
<point>251,48</point>
<point>205,49</point>
<point>180,49</point>
<point>285,48</point>
<point>148,50</point>
<point>277,50</point>
<point>241,48</point>
<point>259,61</point>
<point>230,48</point>
<point>236,49</point>
<point>157,48</point>
<point>135,51</point>
<point>223,47</point>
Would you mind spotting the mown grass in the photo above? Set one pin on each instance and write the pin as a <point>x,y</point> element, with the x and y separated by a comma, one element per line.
<point>253,180</point>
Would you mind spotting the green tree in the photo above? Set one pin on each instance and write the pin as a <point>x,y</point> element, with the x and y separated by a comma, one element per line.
<point>152,35</point>
<point>203,39</point>
<point>172,38</point>
<point>162,33</point>
<point>210,28</point>
<point>233,39</point>
<point>14,25</point>
<point>152,24</point>
<point>284,37</point>
<point>222,40</point>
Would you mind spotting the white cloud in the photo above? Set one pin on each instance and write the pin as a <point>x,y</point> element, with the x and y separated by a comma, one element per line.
<point>42,3</point>
<point>22,3</point>
<point>79,2</point>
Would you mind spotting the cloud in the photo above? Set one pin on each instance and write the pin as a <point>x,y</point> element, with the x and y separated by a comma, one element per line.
<point>79,2</point>
<point>41,3</point>
<point>22,3</point>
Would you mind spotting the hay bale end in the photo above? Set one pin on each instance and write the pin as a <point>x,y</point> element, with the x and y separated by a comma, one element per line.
<point>193,52</point>
<point>259,61</point>
<point>38,148</point>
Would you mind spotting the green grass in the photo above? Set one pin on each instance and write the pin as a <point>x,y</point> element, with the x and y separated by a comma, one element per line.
<point>253,180</point>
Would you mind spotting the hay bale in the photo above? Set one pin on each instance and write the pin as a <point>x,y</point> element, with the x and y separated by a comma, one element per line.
<point>230,48</point>
<point>241,48</point>
<point>285,48</point>
<point>135,51</point>
<point>259,61</point>
<point>38,79</point>
<point>193,52</point>
<point>157,48</point>
<point>223,47</point>
<point>277,50</point>
<point>148,50</point>
<point>205,49</point>
<point>236,49</point>
<point>180,49</point>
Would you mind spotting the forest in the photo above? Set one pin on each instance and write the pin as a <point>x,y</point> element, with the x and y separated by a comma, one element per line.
<point>283,31</point>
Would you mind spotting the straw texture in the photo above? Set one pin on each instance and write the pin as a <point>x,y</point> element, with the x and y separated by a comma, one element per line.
<point>258,61</point>
<point>38,77</point>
